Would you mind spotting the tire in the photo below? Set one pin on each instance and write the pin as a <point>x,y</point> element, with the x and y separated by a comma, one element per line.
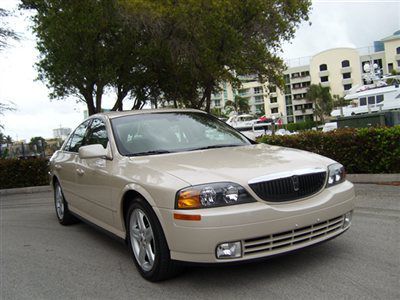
<point>147,243</point>
<point>63,214</point>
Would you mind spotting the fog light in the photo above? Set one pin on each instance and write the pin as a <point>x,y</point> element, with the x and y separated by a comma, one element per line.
<point>229,250</point>
<point>347,219</point>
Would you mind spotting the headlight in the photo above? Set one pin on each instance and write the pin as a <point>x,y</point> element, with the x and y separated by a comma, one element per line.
<point>212,195</point>
<point>336,174</point>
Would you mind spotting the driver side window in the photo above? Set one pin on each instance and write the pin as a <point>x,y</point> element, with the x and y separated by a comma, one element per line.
<point>97,133</point>
<point>76,139</point>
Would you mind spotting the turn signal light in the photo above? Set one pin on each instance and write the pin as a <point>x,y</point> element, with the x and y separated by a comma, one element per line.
<point>187,217</point>
<point>189,199</point>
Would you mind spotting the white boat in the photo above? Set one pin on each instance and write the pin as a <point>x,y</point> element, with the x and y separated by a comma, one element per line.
<point>373,97</point>
<point>242,121</point>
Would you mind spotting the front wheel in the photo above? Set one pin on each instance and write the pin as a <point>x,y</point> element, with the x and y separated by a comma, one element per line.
<point>147,243</point>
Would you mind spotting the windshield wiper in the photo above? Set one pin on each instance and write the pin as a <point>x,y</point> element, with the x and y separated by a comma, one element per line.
<point>216,146</point>
<point>151,152</point>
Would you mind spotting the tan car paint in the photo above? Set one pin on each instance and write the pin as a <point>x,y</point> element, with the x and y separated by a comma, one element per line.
<point>97,194</point>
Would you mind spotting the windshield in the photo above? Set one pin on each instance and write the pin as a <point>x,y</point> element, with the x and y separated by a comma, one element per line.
<point>157,133</point>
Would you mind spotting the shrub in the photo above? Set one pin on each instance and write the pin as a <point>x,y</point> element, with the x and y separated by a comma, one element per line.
<point>16,173</point>
<point>365,150</point>
<point>300,126</point>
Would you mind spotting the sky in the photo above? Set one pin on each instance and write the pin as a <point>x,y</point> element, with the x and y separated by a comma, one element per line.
<point>334,23</point>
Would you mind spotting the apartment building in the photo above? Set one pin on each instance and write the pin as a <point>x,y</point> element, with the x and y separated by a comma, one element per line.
<point>340,69</point>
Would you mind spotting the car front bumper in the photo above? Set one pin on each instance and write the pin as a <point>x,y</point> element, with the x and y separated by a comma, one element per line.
<point>263,229</point>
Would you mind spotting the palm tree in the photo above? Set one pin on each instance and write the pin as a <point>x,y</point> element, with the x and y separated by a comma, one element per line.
<point>322,100</point>
<point>239,104</point>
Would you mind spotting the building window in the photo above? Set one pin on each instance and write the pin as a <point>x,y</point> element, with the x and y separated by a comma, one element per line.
<point>288,99</point>
<point>398,50</point>
<point>298,107</point>
<point>346,75</point>
<point>295,75</point>
<point>272,88</point>
<point>345,63</point>
<point>259,99</point>
<point>347,87</point>
<point>217,102</point>
<point>299,119</point>
<point>290,119</point>
<point>289,110</point>
<point>287,89</point>
<point>305,74</point>
<point>273,100</point>
<point>258,90</point>
<point>274,110</point>
<point>324,78</point>
<point>323,67</point>
<point>398,63</point>
<point>390,67</point>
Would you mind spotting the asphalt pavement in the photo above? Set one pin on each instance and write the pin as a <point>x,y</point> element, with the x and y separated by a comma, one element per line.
<point>41,259</point>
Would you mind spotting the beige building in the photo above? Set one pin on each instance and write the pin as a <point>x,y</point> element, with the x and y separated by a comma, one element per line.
<point>341,69</point>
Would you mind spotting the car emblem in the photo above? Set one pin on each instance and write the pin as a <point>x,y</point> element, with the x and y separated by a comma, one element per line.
<point>295,181</point>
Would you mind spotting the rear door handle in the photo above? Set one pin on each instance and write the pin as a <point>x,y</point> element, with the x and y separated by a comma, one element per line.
<point>80,172</point>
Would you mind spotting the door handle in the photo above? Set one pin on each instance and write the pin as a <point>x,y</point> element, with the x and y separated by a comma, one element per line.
<point>80,172</point>
<point>57,166</point>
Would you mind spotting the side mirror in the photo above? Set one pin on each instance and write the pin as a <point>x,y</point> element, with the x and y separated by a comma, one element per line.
<point>93,151</point>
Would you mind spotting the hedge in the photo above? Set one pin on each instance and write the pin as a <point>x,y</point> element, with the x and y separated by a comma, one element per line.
<point>16,173</point>
<point>365,150</point>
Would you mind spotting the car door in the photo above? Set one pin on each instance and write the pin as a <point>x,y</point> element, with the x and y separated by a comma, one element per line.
<point>93,182</point>
<point>65,165</point>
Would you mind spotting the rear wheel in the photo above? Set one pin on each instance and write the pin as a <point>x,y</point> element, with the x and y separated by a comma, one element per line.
<point>147,243</point>
<point>63,214</point>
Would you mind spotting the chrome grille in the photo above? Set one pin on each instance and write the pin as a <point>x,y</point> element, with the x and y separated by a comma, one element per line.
<point>292,237</point>
<point>289,188</point>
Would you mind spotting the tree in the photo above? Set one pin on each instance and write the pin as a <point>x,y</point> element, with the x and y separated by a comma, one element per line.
<point>239,104</point>
<point>339,101</point>
<point>5,32</point>
<point>85,48</point>
<point>322,100</point>
<point>195,45</point>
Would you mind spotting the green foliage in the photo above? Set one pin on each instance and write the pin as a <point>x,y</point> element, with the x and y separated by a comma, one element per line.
<point>180,51</point>
<point>239,105</point>
<point>366,150</point>
<point>322,99</point>
<point>16,173</point>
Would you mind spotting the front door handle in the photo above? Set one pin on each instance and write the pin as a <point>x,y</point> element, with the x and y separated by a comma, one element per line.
<point>80,172</point>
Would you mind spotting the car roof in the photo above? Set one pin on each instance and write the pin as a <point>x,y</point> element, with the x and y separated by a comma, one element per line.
<point>117,114</point>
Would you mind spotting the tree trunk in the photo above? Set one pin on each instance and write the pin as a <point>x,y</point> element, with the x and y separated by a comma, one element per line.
<point>99,96</point>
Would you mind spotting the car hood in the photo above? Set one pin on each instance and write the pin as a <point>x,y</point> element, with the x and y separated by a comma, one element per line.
<point>235,164</point>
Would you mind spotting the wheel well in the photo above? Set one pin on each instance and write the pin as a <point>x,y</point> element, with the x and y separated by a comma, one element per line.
<point>126,200</point>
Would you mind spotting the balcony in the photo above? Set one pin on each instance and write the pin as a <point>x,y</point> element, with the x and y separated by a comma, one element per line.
<point>347,81</point>
<point>325,84</point>
<point>323,73</point>
<point>345,70</point>
<point>300,79</point>
<point>301,90</point>
<point>308,111</point>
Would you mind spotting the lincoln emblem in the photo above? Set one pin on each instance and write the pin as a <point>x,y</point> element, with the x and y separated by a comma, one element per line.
<point>295,181</point>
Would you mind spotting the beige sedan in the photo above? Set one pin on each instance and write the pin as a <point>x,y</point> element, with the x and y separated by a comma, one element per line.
<point>182,186</point>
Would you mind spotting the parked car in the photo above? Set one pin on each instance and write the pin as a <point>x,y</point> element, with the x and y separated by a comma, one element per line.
<point>182,186</point>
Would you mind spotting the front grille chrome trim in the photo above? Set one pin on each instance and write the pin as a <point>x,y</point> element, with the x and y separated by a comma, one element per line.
<point>286,174</point>
<point>292,238</point>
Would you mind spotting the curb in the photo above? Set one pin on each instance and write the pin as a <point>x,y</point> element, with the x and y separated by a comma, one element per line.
<point>26,190</point>
<point>373,178</point>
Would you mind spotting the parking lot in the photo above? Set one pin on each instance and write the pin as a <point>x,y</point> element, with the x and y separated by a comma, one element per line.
<point>41,259</point>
